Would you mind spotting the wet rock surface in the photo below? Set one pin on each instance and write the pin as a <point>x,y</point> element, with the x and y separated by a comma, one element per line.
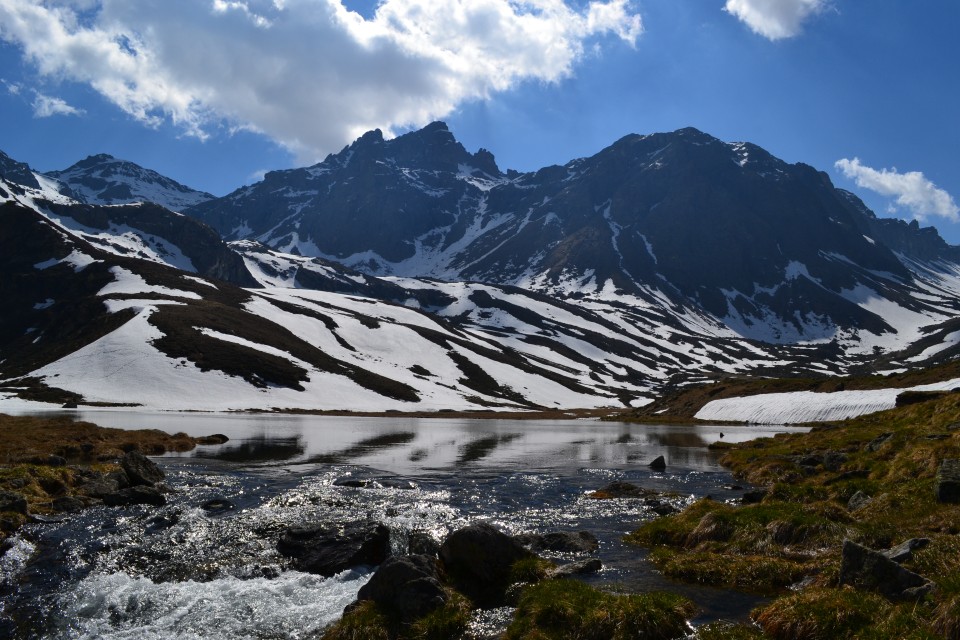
<point>478,559</point>
<point>408,587</point>
<point>560,541</point>
<point>327,549</point>
<point>140,469</point>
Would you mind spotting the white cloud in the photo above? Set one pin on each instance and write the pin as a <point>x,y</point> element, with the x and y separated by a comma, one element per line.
<point>45,106</point>
<point>308,73</point>
<point>775,19</point>
<point>911,190</point>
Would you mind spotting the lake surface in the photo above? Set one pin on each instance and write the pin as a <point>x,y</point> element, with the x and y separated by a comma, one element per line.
<point>181,571</point>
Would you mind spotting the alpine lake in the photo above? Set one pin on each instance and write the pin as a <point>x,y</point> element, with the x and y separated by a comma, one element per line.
<point>206,565</point>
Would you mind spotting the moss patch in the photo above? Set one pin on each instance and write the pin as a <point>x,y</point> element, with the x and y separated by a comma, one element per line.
<point>561,609</point>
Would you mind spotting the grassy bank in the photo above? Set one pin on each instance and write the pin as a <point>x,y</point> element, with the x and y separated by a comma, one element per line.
<point>871,480</point>
<point>46,459</point>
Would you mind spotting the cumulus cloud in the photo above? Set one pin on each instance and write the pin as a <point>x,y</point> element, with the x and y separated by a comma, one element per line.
<point>775,19</point>
<point>45,106</point>
<point>911,189</point>
<point>309,73</point>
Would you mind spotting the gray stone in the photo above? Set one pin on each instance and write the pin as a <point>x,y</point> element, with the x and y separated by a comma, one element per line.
<point>948,481</point>
<point>858,501</point>
<point>140,469</point>
<point>904,551</point>
<point>871,570</point>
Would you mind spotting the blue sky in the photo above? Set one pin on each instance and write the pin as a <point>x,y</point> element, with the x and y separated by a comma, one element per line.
<point>214,92</point>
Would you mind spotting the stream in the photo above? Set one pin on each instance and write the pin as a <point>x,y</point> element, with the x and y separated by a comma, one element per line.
<point>205,565</point>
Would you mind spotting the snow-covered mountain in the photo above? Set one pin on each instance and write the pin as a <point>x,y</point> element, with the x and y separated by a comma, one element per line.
<point>676,221</point>
<point>409,274</point>
<point>103,179</point>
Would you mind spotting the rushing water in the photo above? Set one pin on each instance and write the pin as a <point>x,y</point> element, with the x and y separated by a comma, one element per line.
<point>182,571</point>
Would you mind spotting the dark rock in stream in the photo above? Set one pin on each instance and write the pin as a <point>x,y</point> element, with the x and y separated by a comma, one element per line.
<point>135,495</point>
<point>868,569</point>
<point>659,464</point>
<point>406,586</point>
<point>621,490</point>
<point>560,541</point>
<point>328,549</point>
<point>140,469</point>
<point>579,568</point>
<point>422,543</point>
<point>478,559</point>
<point>68,504</point>
<point>218,505</point>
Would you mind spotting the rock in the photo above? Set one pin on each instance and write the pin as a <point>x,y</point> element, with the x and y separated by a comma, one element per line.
<point>328,549</point>
<point>621,490</point>
<point>661,508</point>
<point>49,461</point>
<point>216,438</point>
<point>858,501</point>
<point>904,551</point>
<point>140,469</point>
<point>408,587</point>
<point>135,495</point>
<point>13,502</point>
<point>948,481</point>
<point>560,541</point>
<point>478,558</point>
<point>876,443</point>
<point>218,505</point>
<point>579,568</point>
<point>352,483</point>
<point>754,496</point>
<point>659,464</point>
<point>66,504</point>
<point>101,486</point>
<point>832,460</point>
<point>868,569</point>
<point>422,543</point>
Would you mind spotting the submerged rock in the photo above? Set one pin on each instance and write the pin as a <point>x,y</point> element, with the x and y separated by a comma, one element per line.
<point>620,489</point>
<point>328,549</point>
<point>872,570</point>
<point>579,568</point>
<point>560,541</point>
<point>135,495</point>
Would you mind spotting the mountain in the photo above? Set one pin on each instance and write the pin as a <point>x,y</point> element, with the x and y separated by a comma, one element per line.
<point>675,220</point>
<point>103,179</point>
<point>410,274</point>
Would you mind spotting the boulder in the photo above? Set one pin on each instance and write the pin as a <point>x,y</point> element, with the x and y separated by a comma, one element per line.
<point>659,464</point>
<point>478,559</point>
<point>560,541</point>
<point>948,481</point>
<point>67,504</point>
<point>135,495</point>
<point>422,543</point>
<point>140,469</point>
<point>328,549</point>
<point>13,502</point>
<point>904,551</point>
<point>868,569</point>
<point>876,443</point>
<point>407,587</point>
<point>754,496</point>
